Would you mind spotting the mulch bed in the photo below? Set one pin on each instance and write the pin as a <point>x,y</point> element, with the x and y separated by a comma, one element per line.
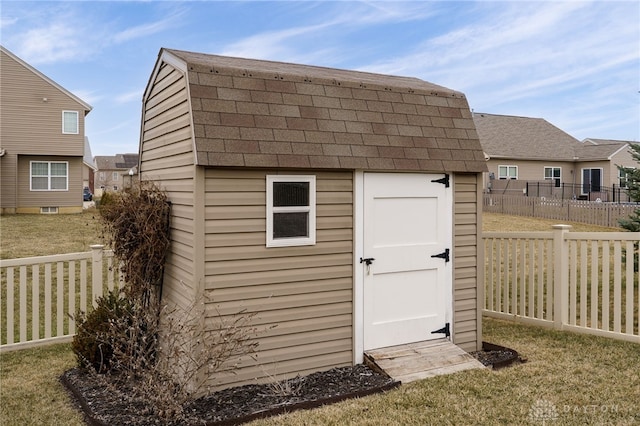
<point>245,403</point>
<point>496,356</point>
<point>230,406</point>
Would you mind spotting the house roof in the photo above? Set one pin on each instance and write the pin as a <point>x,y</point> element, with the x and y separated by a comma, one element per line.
<point>599,149</point>
<point>117,162</point>
<point>86,106</point>
<point>254,113</point>
<point>525,138</point>
<point>88,157</point>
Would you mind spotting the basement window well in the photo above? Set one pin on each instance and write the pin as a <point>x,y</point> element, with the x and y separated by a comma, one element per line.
<point>291,210</point>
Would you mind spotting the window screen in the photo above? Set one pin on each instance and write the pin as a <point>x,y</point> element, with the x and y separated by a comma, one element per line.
<point>290,210</point>
<point>70,122</point>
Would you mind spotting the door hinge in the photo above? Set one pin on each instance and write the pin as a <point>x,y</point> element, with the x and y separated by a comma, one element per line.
<point>446,330</point>
<point>444,180</point>
<point>444,255</point>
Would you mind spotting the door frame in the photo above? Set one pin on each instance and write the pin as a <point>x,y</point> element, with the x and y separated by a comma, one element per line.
<point>358,269</point>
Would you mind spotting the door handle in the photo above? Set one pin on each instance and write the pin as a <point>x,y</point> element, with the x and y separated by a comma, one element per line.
<point>367,261</point>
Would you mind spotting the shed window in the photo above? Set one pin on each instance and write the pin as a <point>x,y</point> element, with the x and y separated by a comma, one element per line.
<point>70,122</point>
<point>291,210</point>
<point>49,176</point>
<point>507,172</point>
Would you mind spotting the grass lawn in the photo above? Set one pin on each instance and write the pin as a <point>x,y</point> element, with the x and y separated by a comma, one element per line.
<point>568,379</point>
<point>573,378</point>
<point>26,235</point>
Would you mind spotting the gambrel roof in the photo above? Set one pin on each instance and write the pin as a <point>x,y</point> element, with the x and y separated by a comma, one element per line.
<point>255,113</point>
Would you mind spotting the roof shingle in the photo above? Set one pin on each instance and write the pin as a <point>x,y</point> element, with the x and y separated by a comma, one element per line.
<point>271,114</point>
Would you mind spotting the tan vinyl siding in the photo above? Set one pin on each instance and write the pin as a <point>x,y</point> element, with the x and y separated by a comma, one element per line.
<point>72,197</point>
<point>29,124</point>
<point>167,158</point>
<point>466,326</point>
<point>8,183</point>
<point>306,292</point>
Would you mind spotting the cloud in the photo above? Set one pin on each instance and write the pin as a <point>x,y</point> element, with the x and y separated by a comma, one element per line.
<point>124,98</point>
<point>145,30</point>
<point>6,22</point>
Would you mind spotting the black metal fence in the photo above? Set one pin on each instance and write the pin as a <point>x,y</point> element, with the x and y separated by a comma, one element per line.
<point>564,191</point>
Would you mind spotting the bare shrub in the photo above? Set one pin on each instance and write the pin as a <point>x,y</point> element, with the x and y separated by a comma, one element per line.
<point>137,225</point>
<point>160,356</point>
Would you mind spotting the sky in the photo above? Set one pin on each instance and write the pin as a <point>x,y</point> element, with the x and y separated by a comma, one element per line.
<point>575,64</point>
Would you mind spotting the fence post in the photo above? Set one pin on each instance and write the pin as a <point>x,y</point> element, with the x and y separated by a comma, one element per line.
<point>560,276</point>
<point>96,272</point>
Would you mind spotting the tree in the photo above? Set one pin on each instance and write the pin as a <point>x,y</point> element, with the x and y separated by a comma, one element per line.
<point>632,179</point>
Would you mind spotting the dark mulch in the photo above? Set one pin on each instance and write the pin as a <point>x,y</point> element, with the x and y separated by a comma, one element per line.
<point>230,406</point>
<point>241,404</point>
<point>496,356</point>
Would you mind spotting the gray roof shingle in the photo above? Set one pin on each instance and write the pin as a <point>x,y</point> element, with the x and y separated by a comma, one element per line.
<point>255,113</point>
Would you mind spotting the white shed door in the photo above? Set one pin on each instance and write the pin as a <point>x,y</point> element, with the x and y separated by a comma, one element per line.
<point>407,291</point>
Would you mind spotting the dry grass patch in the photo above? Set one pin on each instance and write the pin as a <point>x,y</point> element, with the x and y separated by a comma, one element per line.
<point>27,235</point>
<point>30,392</point>
<point>497,222</point>
<point>571,379</point>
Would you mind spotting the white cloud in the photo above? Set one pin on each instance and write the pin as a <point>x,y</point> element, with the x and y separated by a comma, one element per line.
<point>145,30</point>
<point>132,96</point>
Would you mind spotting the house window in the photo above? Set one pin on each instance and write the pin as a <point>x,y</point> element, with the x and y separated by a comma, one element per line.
<point>291,210</point>
<point>115,187</point>
<point>70,122</point>
<point>115,176</point>
<point>102,176</point>
<point>624,176</point>
<point>48,210</point>
<point>591,180</point>
<point>507,172</point>
<point>49,176</point>
<point>553,173</point>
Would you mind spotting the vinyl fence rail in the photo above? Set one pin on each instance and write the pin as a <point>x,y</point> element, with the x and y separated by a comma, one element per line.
<point>39,293</point>
<point>590,212</point>
<point>579,281</point>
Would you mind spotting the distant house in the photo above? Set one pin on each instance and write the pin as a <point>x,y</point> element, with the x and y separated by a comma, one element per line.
<point>532,156</point>
<point>42,141</point>
<point>115,172</point>
<point>88,167</point>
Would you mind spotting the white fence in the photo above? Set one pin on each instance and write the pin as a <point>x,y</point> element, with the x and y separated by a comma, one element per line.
<point>39,293</point>
<point>579,281</point>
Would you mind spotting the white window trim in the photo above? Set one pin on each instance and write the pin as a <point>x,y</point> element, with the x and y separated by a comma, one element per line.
<point>48,177</point>
<point>553,178</point>
<point>77,123</point>
<point>508,166</point>
<point>311,209</point>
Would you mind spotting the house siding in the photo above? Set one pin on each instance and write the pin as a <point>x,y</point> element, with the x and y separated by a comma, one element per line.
<point>69,201</point>
<point>31,125</point>
<point>466,252</point>
<point>167,159</point>
<point>302,296</point>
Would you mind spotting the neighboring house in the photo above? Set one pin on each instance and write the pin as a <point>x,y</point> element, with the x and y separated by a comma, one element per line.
<point>531,156</point>
<point>42,141</point>
<point>343,208</point>
<point>88,167</point>
<point>115,172</point>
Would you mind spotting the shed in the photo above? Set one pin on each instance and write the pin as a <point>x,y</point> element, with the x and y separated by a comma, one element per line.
<point>343,207</point>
